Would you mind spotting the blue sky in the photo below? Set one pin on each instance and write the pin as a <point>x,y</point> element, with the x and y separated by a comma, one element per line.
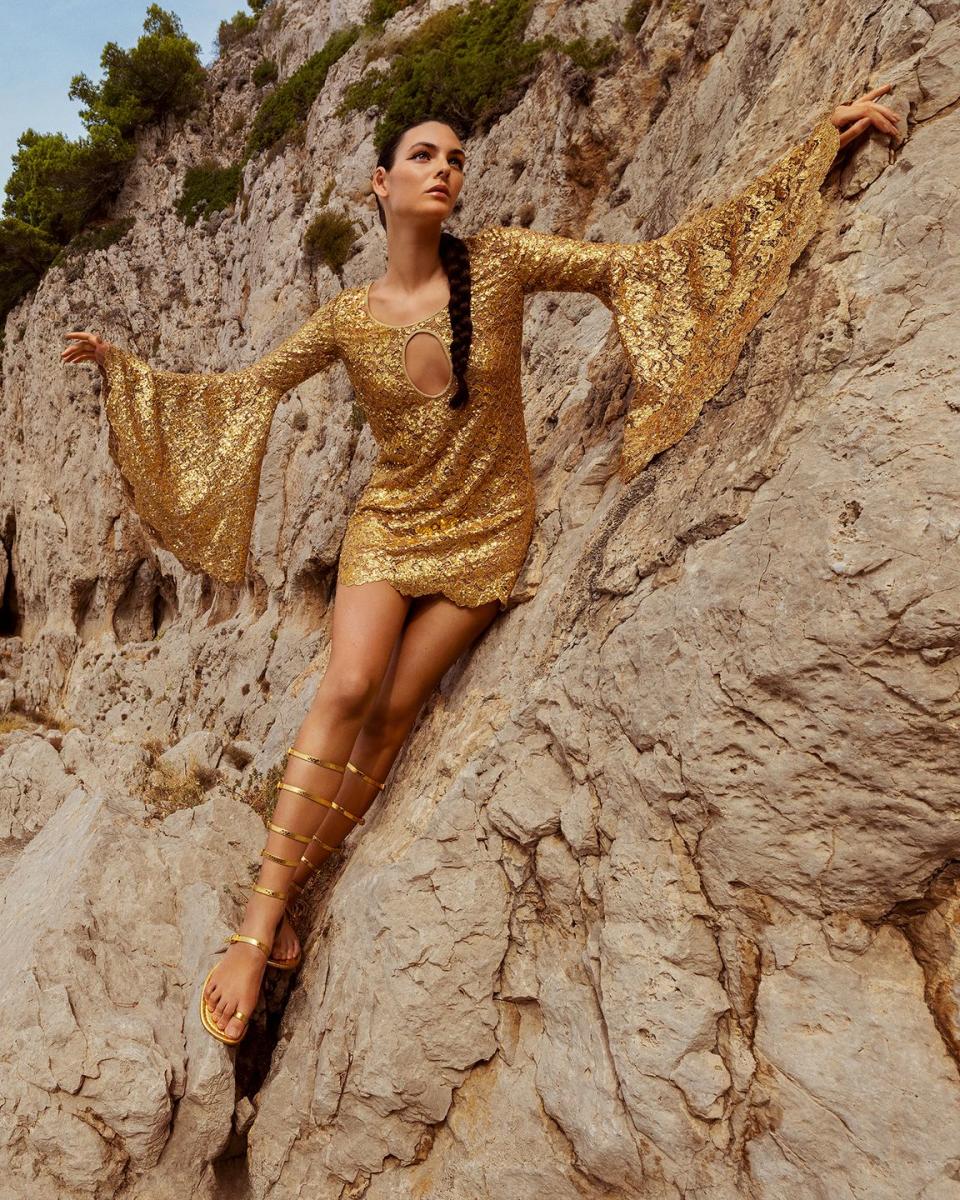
<point>44,43</point>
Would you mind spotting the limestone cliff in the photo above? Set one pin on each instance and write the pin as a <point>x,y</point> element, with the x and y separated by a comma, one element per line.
<point>661,899</point>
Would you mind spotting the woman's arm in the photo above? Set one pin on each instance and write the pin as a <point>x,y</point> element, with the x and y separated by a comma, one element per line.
<point>190,445</point>
<point>685,302</point>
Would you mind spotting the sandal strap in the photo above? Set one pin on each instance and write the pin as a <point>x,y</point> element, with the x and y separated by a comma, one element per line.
<point>242,937</point>
<point>265,891</point>
<point>369,778</point>
<point>297,837</point>
<point>268,892</point>
<point>316,866</point>
<point>299,791</point>
<point>321,762</point>
<point>284,862</point>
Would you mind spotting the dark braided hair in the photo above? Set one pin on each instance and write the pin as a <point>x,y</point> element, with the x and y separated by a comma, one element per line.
<point>456,262</point>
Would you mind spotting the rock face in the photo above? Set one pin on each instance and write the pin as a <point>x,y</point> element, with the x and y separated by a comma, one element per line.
<point>662,897</point>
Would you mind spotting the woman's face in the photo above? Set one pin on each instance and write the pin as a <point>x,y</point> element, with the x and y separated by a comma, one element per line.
<point>428,160</point>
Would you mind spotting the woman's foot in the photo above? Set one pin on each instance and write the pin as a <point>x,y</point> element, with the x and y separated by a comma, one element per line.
<point>286,945</point>
<point>235,982</point>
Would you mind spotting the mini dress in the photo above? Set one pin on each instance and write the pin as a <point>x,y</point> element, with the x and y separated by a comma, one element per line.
<point>450,505</point>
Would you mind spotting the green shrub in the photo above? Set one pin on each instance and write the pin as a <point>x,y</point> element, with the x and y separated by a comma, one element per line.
<point>240,25</point>
<point>57,185</point>
<point>98,237</point>
<point>380,11</point>
<point>265,72</point>
<point>329,238</point>
<point>636,15</point>
<point>207,189</point>
<point>589,56</point>
<point>234,30</point>
<point>289,104</point>
<point>161,75</point>
<point>493,67</point>
<point>25,253</point>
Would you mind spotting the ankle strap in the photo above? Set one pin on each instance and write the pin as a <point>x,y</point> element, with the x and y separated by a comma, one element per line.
<point>369,778</point>
<point>297,837</point>
<point>242,937</point>
<point>284,862</point>
<point>265,891</point>
<point>299,791</point>
<point>321,762</point>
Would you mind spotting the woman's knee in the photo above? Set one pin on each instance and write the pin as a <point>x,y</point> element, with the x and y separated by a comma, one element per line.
<point>389,724</point>
<point>348,690</point>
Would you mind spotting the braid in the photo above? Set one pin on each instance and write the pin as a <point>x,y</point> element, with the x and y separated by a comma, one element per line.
<point>456,262</point>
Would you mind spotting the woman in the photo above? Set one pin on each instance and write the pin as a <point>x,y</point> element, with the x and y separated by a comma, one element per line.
<point>438,537</point>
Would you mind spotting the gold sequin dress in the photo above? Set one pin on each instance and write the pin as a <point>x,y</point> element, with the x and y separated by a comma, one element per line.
<point>450,504</point>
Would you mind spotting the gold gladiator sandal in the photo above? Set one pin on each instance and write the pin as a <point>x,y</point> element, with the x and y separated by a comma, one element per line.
<point>281,964</point>
<point>312,867</point>
<point>208,1016</point>
<point>304,840</point>
<point>304,861</point>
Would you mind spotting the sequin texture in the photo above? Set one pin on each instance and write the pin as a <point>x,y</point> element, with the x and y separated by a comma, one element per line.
<point>450,505</point>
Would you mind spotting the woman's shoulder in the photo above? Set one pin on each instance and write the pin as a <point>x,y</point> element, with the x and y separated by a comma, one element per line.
<point>346,301</point>
<point>493,240</point>
<point>491,244</point>
<point>484,236</point>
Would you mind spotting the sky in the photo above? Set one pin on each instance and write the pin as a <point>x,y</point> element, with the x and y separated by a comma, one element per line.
<point>44,43</point>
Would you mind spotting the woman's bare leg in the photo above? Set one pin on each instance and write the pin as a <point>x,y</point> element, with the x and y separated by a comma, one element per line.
<point>436,634</point>
<point>367,620</point>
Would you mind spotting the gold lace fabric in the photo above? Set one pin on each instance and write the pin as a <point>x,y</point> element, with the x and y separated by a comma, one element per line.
<point>450,505</point>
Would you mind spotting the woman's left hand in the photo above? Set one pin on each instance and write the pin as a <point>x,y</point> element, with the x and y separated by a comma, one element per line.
<point>861,114</point>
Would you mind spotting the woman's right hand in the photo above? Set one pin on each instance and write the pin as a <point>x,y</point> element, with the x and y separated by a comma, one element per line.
<point>860,114</point>
<point>87,347</point>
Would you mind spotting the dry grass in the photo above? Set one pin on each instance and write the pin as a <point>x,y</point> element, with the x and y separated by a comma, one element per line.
<point>260,791</point>
<point>14,720</point>
<point>21,717</point>
<point>166,789</point>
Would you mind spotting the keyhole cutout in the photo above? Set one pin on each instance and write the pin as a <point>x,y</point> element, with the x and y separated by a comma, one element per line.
<point>427,363</point>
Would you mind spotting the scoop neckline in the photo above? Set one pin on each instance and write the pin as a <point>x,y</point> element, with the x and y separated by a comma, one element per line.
<point>386,324</point>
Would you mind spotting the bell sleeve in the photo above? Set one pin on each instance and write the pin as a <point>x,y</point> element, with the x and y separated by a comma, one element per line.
<point>685,302</point>
<point>190,446</point>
